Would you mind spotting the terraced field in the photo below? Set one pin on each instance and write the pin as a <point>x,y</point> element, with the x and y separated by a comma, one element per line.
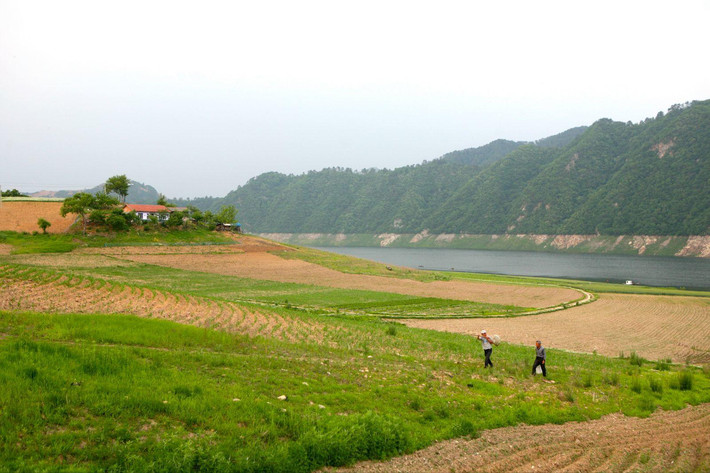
<point>665,442</point>
<point>23,291</point>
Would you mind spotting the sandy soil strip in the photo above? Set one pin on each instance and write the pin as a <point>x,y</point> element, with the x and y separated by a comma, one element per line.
<point>5,249</point>
<point>265,266</point>
<point>654,326</point>
<point>677,441</point>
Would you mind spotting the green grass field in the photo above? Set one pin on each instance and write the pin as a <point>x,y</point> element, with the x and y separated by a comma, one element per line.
<point>25,243</point>
<point>119,393</point>
<point>97,392</point>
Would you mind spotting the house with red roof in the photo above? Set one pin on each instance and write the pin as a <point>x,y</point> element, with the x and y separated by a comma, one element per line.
<point>144,211</point>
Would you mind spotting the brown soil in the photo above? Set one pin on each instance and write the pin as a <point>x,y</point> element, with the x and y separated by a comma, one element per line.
<point>266,266</point>
<point>655,327</point>
<point>85,296</point>
<point>72,260</point>
<point>5,249</point>
<point>23,216</point>
<point>677,441</point>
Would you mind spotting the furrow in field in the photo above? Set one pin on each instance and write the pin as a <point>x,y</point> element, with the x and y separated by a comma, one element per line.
<point>666,441</point>
<point>82,297</point>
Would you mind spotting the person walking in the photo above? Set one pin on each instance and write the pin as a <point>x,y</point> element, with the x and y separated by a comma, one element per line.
<point>540,357</point>
<point>486,343</point>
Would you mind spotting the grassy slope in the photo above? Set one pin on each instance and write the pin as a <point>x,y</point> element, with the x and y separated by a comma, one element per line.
<point>129,394</point>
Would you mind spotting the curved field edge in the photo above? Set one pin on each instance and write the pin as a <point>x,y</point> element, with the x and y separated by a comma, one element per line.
<point>305,297</point>
<point>100,391</point>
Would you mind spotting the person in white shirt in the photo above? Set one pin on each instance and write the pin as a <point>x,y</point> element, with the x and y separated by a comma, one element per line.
<point>487,345</point>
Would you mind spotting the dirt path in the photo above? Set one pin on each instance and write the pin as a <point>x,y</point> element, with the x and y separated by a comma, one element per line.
<point>265,266</point>
<point>677,441</point>
<point>654,326</point>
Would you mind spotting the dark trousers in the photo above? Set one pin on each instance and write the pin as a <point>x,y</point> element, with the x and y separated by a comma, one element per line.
<point>539,362</point>
<point>488,358</point>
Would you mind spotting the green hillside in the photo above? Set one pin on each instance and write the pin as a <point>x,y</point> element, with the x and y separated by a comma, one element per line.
<point>612,178</point>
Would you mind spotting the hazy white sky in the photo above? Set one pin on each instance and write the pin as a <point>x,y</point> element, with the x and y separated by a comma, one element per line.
<point>195,98</point>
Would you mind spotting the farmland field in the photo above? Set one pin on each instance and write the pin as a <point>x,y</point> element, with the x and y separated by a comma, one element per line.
<point>22,216</point>
<point>653,326</point>
<point>252,356</point>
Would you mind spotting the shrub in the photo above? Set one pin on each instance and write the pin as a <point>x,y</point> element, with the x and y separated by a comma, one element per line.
<point>663,365</point>
<point>656,385</point>
<point>587,380</point>
<point>611,379</point>
<point>683,381</point>
<point>463,428</point>
<point>636,385</point>
<point>647,404</point>
<point>636,360</point>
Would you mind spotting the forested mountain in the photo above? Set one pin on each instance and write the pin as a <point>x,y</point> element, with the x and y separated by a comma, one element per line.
<point>649,178</point>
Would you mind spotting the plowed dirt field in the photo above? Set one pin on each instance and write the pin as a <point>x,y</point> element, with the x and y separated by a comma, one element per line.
<point>22,216</point>
<point>655,327</point>
<point>677,441</point>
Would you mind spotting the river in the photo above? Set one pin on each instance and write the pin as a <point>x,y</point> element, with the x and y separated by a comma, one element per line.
<point>690,273</point>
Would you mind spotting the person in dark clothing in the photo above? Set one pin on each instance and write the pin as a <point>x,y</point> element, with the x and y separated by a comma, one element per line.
<point>540,356</point>
<point>486,343</point>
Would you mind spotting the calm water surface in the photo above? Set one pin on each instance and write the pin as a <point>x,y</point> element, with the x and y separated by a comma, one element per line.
<point>646,270</point>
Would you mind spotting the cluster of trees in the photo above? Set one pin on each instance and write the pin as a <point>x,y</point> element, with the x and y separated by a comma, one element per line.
<point>100,209</point>
<point>105,212</point>
<point>12,193</point>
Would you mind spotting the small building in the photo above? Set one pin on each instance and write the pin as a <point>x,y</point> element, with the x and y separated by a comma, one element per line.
<point>228,227</point>
<point>144,212</point>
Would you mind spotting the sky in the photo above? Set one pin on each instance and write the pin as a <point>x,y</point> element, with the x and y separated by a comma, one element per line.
<point>196,98</point>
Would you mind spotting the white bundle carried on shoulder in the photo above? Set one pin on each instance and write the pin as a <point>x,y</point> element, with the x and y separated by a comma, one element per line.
<point>496,340</point>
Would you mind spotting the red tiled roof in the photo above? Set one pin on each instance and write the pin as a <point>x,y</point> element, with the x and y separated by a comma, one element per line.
<point>145,208</point>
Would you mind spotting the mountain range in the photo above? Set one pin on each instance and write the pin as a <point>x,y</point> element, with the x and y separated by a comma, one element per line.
<point>611,178</point>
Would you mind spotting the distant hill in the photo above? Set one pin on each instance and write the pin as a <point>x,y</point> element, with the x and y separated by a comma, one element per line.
<point>138,193</point>
<point>611,178</point>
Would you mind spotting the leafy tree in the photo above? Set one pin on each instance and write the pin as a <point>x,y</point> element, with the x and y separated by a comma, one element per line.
<point>80,204</point>
<point>227,214</point>
<point>175,219</point>
<point>43,224</point>
<point>118,220</point>
<point>119,185</point>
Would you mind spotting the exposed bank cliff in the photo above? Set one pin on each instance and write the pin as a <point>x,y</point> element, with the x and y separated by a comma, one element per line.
<point>694,246</point>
